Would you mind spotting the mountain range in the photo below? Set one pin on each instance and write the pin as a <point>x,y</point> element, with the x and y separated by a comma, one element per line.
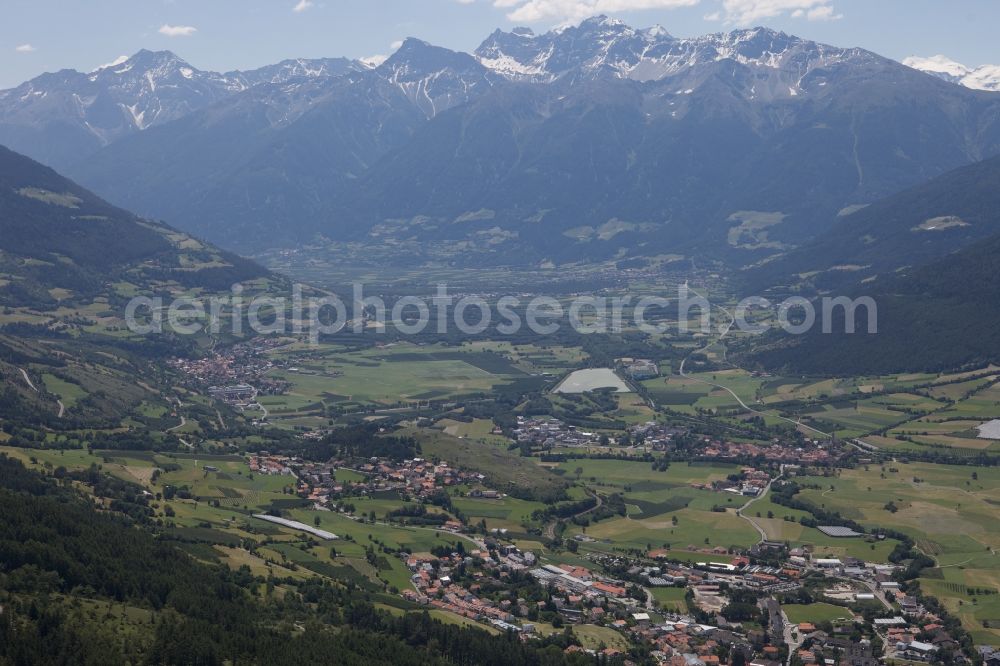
<point>62,117</point>
<point>590,142</point>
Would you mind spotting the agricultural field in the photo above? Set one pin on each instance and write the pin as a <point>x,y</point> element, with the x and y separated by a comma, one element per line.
<point>982,405</point>
<point>911,412</point>
<point>959,390</point>
<point>68,392</point>
<point>677,393</point>
<point>593,637</point>
<point>742,383</point>
<point>662,509</point>
<point>52,458</point>
<point>480,430</point>
<point>533,358</point>
<point>505,513</point>
<point>850,419</point>
<point>697,391</point>
<point>971,593</point>
<point>502,467</point>
<point>779,389</point>
<point>694,530</point>
<point>781,524</point>
<point>941,506</point>
<point>632,409</point>
<point>618,474</point>
<point>329,378</point>
<point>950,511</point>
<point>954,425</point>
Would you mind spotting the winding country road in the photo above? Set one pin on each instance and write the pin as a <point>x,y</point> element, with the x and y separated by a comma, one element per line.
<point>550,529</point>
<point>722,335</point>
<point>31,385</point>
<point>479,543</point>
<point>741,512</point>
<point>28,381</point>
<point>793,639</point>
<point>859,444</point>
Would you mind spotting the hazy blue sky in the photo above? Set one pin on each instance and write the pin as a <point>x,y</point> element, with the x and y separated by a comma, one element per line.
<point>46,35</point>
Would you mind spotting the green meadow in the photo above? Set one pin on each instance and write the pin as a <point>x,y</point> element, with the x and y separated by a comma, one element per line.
<point>951,515</point>
<point>662,509</point>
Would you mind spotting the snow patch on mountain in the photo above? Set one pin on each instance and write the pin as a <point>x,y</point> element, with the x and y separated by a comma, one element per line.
<point>511,68</point>
<point>938,64</point>
<point>984,77</point>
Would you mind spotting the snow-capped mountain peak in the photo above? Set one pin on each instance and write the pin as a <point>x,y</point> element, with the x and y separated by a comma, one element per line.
<point>984,77</point>
<point>149,88</point>
<point>434,78</point>
<point>938,64</point>
<point>595,44</point>
<point>744,68</point>
<point>602,46</point>
<point>291,69</point>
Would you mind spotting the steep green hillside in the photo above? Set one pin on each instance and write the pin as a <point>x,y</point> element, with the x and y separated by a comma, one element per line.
<point>59,242</point>
<point>83,586</point>
<point>69,263</point>
<point>937,317</point>
<point>912,228</point>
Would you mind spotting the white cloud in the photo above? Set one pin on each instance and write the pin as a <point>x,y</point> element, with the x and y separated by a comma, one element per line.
<point>741,12</point>
<point>24,48</point>
<point>375,60</point>
<point>749,11</point>
<point>114,63</point>
<point>379,58</point>
<point>532,11</point>
<point>177,30</point>
<point>302,5</point>
<point>823,13</point>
